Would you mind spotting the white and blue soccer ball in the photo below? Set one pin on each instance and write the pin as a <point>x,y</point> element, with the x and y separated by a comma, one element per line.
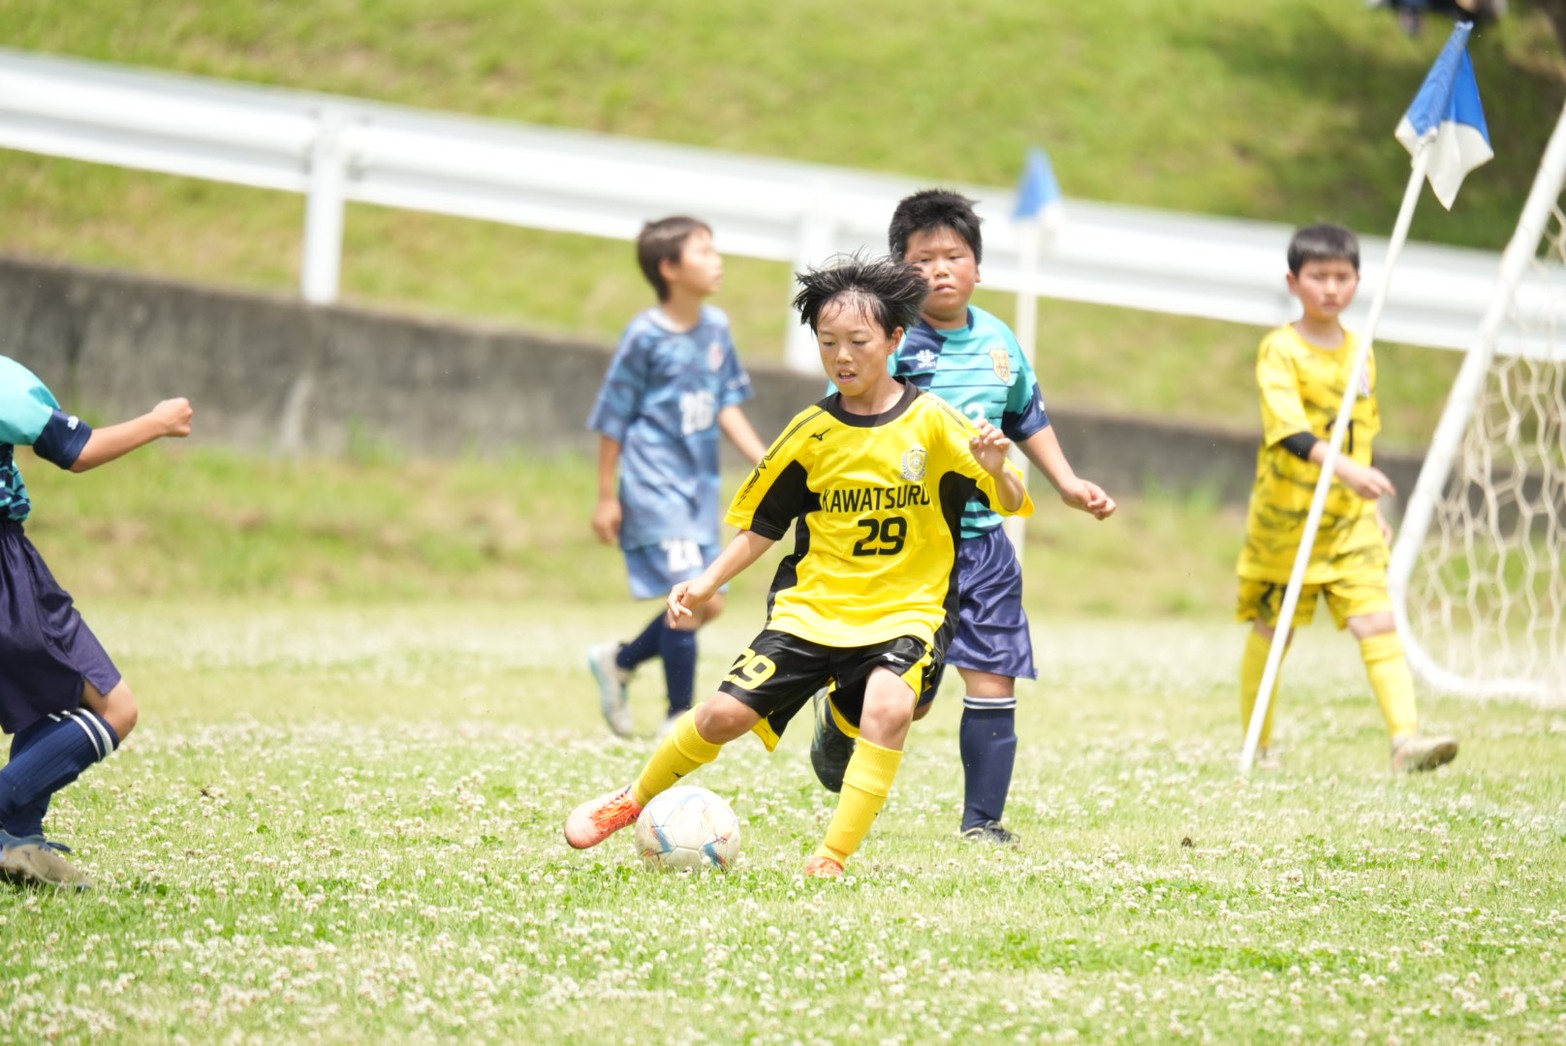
<point>688,829</point>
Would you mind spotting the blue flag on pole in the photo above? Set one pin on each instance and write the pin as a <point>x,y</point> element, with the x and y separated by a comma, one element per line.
<point>1038,194</point>
<point>1447,118</point>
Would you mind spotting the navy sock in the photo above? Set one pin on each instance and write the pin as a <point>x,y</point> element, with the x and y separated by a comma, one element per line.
<point>987,740</point>
<point>644,647</point>
<point>49,755</point>
<point>679,667</point>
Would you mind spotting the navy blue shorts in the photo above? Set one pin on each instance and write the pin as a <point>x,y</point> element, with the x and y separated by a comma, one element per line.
<point>992,629</point>
<point>46,649</point>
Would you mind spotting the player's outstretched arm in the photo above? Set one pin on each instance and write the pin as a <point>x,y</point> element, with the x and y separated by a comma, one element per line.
<point>607,513</point>
<point>1367,481</point>
<point>169,418</point>
<point>747,547</point>
<point>990,448</point>
<point>737,427</point>
<point>1043,450</point>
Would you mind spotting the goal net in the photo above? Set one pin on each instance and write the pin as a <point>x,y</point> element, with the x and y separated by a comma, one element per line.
<point>1478,573</point>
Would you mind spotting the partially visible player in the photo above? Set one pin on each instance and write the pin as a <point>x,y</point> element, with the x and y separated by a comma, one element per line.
<point>873,479</point>
<point>60,695</point>
<point>674,383</point>
<point>1303,369</point>
<point>971,359</point>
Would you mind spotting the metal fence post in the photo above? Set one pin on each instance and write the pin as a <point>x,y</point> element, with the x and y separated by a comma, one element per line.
<point>812,247</point>
<point>324,210</point>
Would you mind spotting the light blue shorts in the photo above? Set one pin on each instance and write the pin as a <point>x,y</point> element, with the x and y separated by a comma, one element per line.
<point>655,569</point>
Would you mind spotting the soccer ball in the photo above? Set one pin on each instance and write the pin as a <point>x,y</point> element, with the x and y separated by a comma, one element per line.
<point>687,829</point>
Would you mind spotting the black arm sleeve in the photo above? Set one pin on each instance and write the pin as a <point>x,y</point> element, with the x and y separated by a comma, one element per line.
<point>1299,444</point>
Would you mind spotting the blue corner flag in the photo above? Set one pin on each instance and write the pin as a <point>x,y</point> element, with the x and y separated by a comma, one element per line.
<point>1446,117</point>
<point>1039,191</point>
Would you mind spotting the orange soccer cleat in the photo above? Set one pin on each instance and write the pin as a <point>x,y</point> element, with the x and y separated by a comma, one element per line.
<point>823,868</point>
<point>598,819</point>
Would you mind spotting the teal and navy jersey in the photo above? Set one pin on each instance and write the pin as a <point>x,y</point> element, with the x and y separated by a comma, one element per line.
<point>30,416</point>
<point>980,370</point>
<point>660,401</point>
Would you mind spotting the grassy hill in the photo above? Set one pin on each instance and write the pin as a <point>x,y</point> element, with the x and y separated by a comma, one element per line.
<point>1276,111</point>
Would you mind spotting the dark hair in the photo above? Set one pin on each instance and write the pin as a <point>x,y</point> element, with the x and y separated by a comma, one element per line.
<point>1323,243</point>
<point>664,240</point>
<point>889,290</point>
<point>931,209</point>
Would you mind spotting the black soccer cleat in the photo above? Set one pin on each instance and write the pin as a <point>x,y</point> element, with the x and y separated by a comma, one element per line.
<point>830,748</point>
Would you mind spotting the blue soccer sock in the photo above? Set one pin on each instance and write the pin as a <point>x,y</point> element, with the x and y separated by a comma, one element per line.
<point>644,647</point>
<point>987,740</point>
<point>678,650</point>
<point>45,758</point>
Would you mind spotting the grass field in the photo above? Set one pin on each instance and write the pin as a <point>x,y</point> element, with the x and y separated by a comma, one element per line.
<point>339,819</point>
<point>342,823</point>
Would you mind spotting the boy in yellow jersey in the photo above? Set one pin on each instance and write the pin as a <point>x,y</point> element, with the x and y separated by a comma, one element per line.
<point>873,479</point>
<point>1303,369</point>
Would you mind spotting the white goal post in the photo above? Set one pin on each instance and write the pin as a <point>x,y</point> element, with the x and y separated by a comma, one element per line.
<point>1478,570</point>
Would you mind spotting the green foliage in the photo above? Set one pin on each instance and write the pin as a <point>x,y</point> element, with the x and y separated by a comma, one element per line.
<point>1275,111</point>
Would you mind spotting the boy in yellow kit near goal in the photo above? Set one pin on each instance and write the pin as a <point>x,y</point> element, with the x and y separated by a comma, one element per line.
<point>873,480</point>
<point>1303,369</point>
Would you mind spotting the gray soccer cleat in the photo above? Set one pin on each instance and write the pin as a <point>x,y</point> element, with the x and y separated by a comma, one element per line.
<point>991,832</point>
<point>33,861</point>
<point>1415,753</point>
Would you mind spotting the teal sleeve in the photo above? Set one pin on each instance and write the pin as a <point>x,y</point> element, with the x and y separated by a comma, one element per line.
<point>26,405</point>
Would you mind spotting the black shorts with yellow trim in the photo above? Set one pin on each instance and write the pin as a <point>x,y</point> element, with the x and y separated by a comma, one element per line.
<point>779,672</point>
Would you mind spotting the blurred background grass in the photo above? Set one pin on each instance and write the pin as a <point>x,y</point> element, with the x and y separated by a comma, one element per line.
<point>184,522</point>
<point>1278,111</point>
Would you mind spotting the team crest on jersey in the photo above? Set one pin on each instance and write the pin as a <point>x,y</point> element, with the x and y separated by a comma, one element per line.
<point>1002,360</point>
<point>1364,383</point>
<point>913,464</point>
<point>715,355</point>
<point>924,359</point>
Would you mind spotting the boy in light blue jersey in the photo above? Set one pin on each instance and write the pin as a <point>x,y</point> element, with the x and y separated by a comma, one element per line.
<point>60,694</point>
<point>972,360</point>
<point>674,384</point>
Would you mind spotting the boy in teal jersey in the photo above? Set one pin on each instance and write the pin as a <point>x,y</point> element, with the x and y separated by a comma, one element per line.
<point>972,360</point>
<point>674,384</point>
<point>60,695</point>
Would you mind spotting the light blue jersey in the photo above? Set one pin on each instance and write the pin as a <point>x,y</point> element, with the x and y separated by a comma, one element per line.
<point>30,416</point>
<point>980,370</point>
<point>660,400</point>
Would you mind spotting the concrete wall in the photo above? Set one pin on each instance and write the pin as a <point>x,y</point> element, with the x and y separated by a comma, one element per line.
<point>273,374</point>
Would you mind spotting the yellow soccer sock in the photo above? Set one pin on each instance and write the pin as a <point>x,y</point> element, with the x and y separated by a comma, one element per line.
<point>1391,681</point>
<point>681,751</point>
<point>866,784</point>
<point>1252,666</point>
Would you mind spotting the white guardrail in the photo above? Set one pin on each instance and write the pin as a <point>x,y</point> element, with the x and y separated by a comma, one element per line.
<point>336,150</point>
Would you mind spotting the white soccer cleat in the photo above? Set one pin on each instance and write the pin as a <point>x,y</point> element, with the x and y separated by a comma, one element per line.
<point>614,699</point>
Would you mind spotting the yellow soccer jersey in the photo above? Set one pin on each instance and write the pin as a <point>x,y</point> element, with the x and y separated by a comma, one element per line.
<point>1302,387</point>
<point>877,502</point>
